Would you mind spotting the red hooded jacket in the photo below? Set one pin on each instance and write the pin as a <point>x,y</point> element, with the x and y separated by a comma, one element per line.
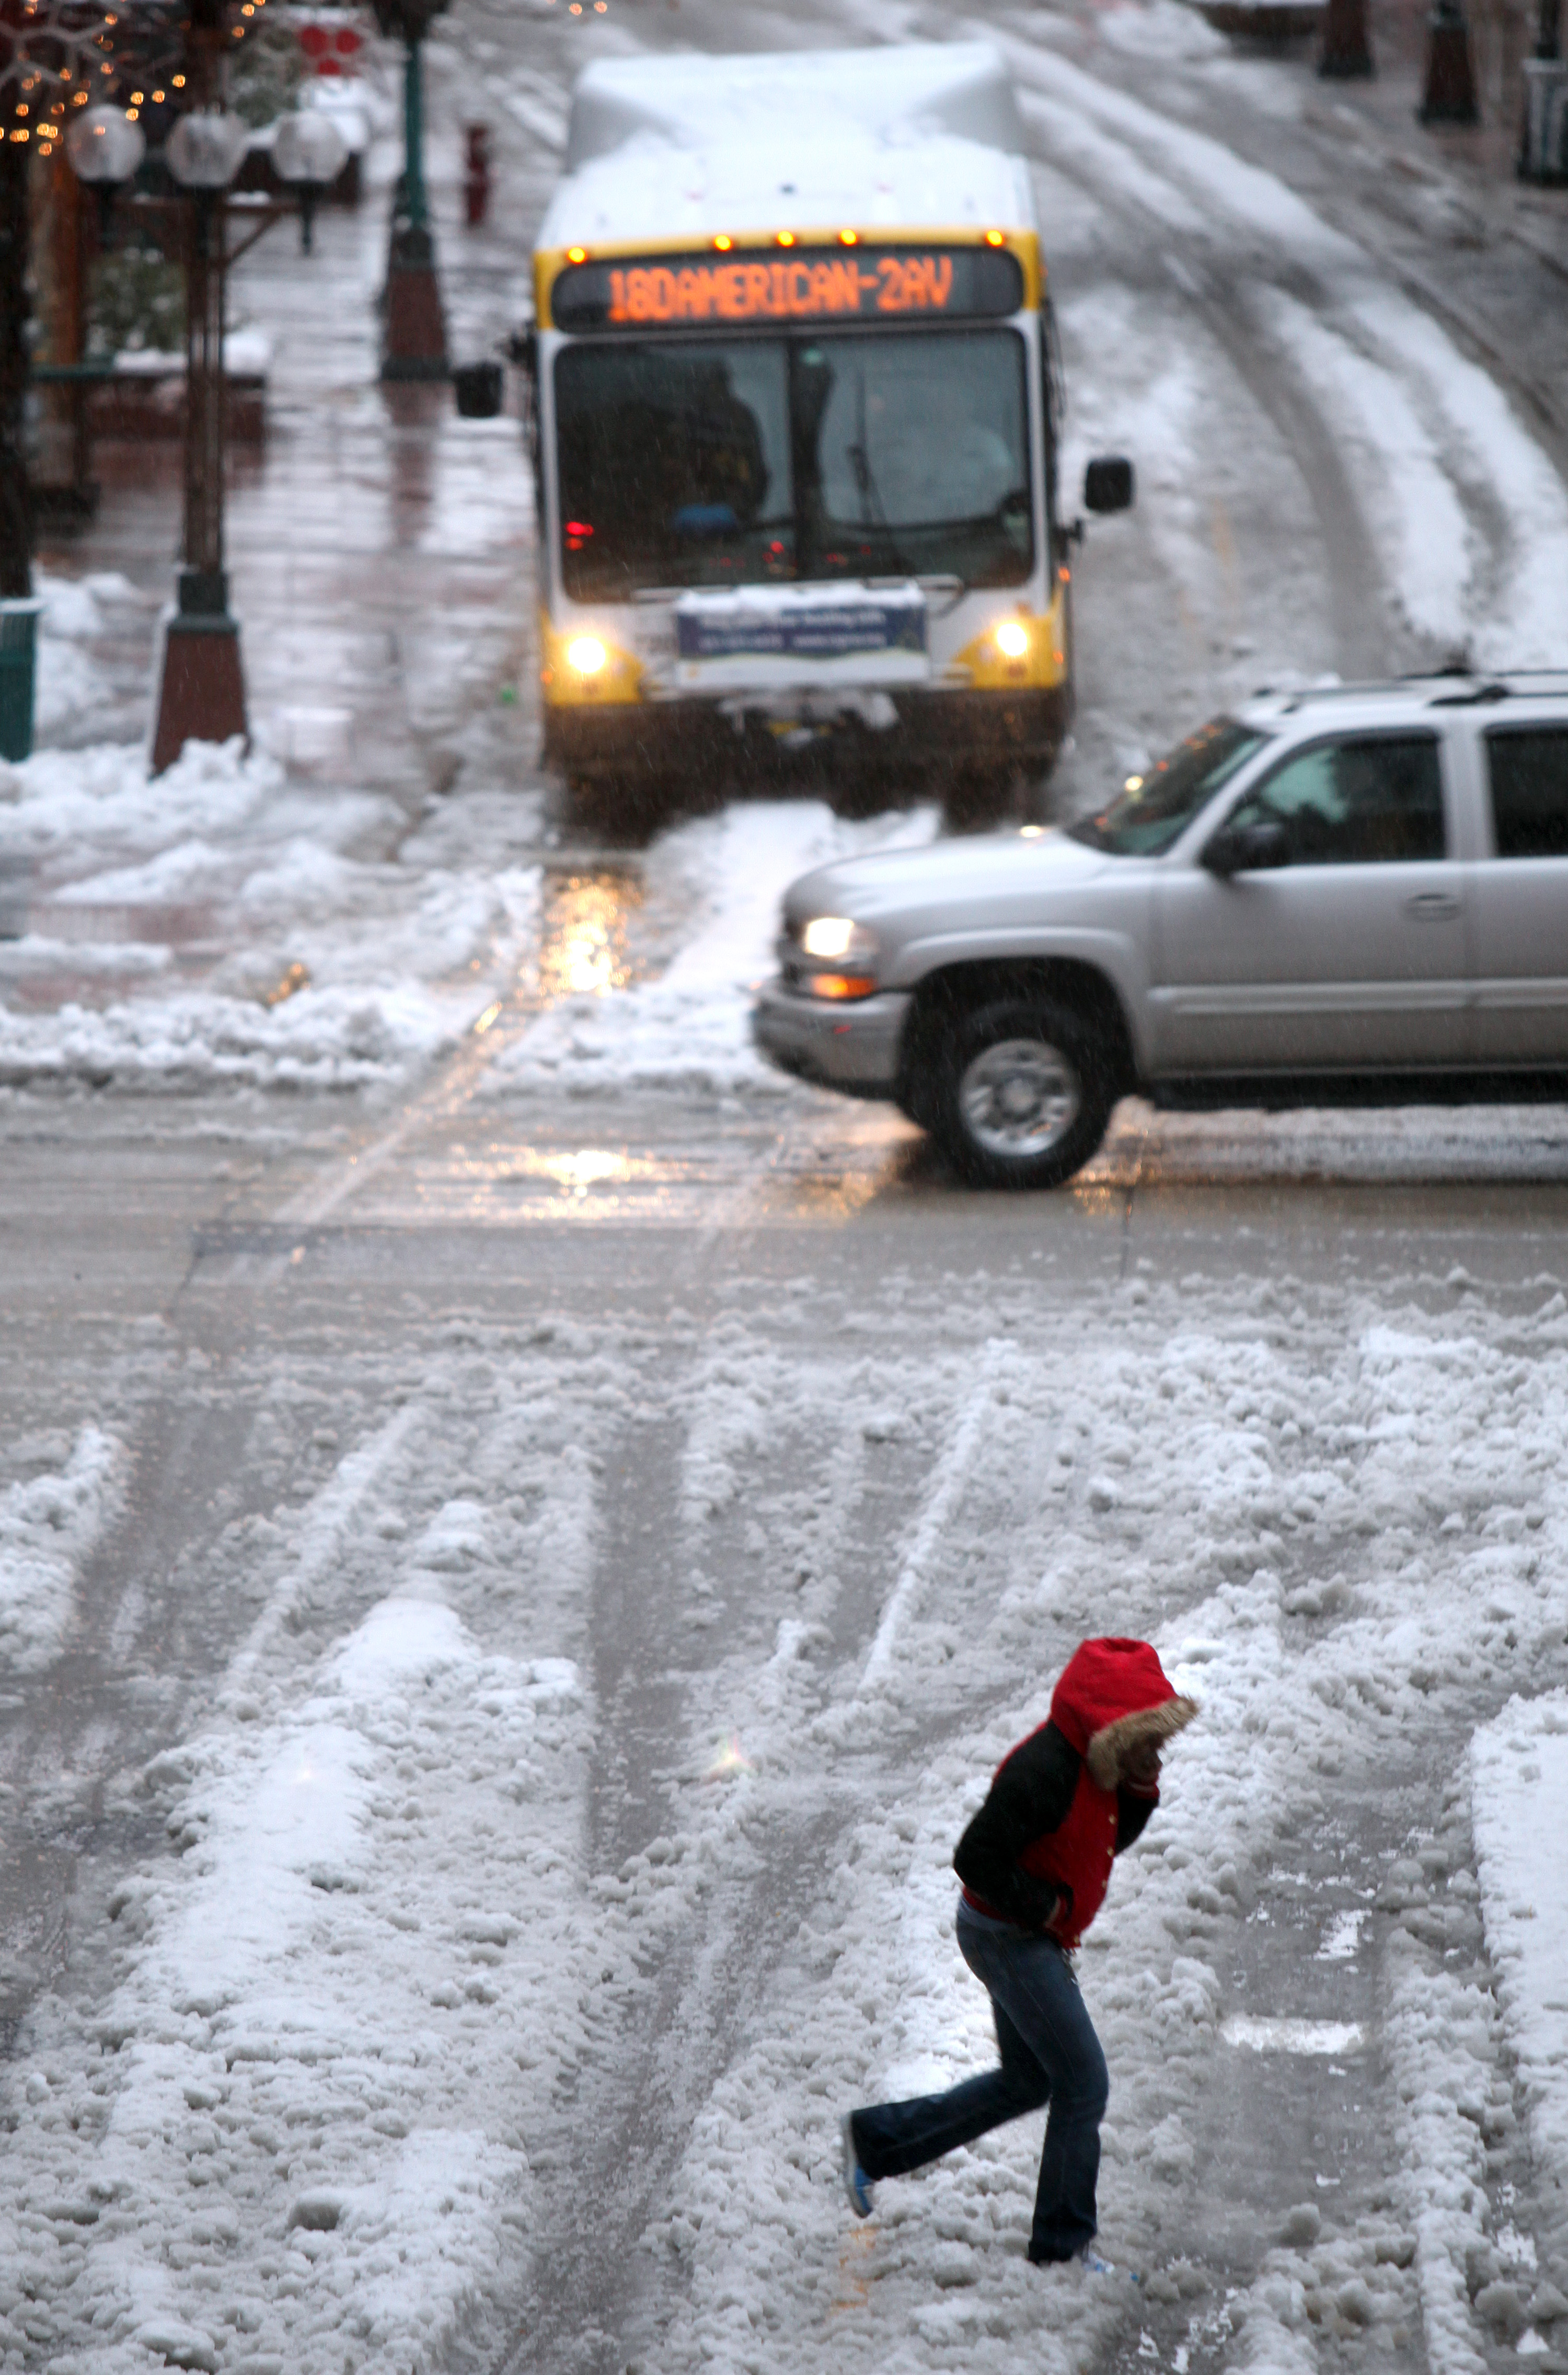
<point>1061,1803</point>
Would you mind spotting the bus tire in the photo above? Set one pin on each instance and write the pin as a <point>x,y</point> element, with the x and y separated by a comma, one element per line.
<point>1022,1092</point>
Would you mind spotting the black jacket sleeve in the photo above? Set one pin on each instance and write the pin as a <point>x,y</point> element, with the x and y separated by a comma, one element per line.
<point>1133,1809</point>
<point>1029,1796</point>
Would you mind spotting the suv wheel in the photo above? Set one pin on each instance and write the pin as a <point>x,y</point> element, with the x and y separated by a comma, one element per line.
<point>1025,1091</point>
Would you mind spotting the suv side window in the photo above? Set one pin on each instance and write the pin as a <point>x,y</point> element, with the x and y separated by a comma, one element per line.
<point>1373,802</point>
<point>1529,790</point>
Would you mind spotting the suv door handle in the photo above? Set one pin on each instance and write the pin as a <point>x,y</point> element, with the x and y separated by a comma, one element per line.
<point>1432,906</point>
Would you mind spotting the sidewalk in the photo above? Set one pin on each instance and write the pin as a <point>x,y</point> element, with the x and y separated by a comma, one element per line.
<point>1482,159</point>
<point>379,546</point>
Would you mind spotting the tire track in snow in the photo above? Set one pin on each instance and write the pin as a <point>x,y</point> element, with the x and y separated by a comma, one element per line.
<point>742,1871</point>
<point>326,1531</point>
<point>947,1491</point>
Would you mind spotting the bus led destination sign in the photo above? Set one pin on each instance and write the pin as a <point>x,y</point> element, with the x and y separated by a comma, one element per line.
<point>877,283</point>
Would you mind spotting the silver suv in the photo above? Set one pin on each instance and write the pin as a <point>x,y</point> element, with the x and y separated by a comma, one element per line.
<point>1355,895</point>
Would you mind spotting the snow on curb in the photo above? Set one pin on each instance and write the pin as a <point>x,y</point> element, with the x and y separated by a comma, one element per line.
<point>105,796</point>
<point>77,610</point>
<point>47,1528</point>
<point>327,1038</point>
<point>341,971</point>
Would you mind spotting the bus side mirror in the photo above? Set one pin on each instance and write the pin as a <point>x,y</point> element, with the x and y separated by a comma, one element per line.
<point>1108,484</point>
<point>522,348</point>
<point>479,389</point>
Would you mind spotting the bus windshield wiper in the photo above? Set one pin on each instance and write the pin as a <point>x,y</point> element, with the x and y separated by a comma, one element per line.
<point>871,508</point>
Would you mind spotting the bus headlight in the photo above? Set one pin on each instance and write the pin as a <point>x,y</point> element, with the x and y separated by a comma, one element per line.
<point>1011,639</point>
<point>587,655</point>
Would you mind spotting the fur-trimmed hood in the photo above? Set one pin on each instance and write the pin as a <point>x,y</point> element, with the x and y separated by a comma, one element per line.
<point>1114,1698</point>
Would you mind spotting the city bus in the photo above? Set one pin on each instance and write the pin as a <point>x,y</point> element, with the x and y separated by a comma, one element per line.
<point>795,412</point>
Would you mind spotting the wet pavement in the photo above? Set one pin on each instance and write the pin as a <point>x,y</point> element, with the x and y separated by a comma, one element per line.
<point>379,546</point>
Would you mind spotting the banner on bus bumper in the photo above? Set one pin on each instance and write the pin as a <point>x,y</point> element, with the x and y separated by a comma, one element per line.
<point>802,636</point>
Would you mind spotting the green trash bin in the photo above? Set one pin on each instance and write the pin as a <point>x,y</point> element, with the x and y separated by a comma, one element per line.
<point>18,653</point>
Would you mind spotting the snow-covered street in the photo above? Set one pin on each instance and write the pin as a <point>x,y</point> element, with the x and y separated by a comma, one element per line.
<point>524,1532</point>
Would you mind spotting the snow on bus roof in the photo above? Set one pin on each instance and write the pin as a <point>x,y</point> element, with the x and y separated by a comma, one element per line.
<point>924,136</point>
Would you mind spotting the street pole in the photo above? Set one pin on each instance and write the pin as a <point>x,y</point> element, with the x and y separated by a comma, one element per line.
<point>1346,51</point>
<point>202,698</point>
<point>202,695</point>
<point>414,331</point>
<point>1449,96</point>
<point>16,502</point>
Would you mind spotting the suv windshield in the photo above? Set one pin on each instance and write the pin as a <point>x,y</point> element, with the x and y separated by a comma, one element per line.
<point>732,462</point>
<point>1151,809</point>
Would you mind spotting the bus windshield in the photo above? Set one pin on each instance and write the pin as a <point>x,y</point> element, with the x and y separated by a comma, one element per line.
<point>735,462</point>
<point>1152,809</point>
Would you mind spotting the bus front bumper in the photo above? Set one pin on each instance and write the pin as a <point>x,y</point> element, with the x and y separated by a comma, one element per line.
<point>853,1047</point>
<point>940,730</point>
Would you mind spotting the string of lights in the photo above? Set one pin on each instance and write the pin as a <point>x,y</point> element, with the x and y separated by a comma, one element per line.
<point>58,55</point>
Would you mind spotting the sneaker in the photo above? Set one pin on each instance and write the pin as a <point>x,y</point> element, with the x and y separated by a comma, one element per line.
<point>1090,2258</point>
<point>856,2184</point>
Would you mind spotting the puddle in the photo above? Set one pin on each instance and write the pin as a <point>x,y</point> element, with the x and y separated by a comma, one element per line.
<point>584,946</point>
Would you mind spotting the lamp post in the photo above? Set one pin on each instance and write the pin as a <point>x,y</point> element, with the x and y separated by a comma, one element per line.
<point>414,334</point>
<point>202,696</point>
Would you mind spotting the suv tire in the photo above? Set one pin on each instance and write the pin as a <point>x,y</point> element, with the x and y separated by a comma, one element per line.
<point>1023,1092</point>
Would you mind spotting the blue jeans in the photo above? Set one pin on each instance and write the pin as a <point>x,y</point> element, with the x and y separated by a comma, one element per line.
<point>1049,2054</point>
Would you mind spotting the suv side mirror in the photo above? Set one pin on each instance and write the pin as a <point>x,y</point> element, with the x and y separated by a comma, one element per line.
<point>1255,848</point>
<point>1108,484</point>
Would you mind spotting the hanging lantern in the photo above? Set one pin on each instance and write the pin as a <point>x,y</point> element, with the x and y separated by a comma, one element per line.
<point>308,148</point>
<point>104,147</point>
<point>204,151</point>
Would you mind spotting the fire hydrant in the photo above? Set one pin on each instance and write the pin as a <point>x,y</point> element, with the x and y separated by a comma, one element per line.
<point>476,174</point>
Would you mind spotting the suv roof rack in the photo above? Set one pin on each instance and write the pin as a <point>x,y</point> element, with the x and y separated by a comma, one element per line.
<point>1475,697</point>
<point>1445,688</point>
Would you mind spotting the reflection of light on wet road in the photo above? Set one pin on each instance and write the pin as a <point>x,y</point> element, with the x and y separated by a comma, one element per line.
<point>583,947</point>
<point>591,1166</point>
<point>729,1183</point>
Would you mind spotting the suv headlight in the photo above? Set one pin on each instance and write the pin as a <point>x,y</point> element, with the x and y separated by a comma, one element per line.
<point>836,936</point>
<point>846,952</point>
